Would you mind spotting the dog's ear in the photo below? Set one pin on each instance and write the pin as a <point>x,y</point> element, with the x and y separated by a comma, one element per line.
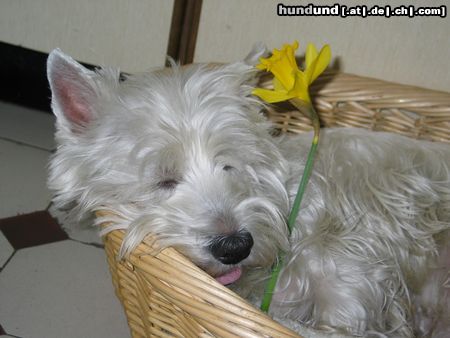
<point>246,68</point>
<point>73,92</point>
<point>258,51</point>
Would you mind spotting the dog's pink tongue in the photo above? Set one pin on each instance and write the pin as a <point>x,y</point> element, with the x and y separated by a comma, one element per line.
<point>230,277</point>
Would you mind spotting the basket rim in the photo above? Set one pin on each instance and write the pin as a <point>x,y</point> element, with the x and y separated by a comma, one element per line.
<point>197,292</point>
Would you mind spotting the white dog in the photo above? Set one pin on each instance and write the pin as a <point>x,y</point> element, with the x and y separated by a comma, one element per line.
<point>186,154</point>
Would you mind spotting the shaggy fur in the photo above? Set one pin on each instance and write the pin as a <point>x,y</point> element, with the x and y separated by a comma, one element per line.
<point>186,154</point>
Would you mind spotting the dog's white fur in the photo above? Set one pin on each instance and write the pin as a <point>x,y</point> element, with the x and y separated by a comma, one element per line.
<point>370,252</point>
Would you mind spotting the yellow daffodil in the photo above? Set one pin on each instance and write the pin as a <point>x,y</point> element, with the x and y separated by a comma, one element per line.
<point>289,81</point>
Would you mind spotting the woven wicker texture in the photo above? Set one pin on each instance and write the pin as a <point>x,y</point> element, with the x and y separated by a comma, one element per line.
<point>165,295</point>
<point>344,100</point>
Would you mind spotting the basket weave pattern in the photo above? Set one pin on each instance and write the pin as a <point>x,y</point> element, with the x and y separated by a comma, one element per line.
<point>165,295</point>
<point>344,100</point>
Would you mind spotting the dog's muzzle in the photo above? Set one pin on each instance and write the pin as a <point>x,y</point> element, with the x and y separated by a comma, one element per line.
<point>232,249</point>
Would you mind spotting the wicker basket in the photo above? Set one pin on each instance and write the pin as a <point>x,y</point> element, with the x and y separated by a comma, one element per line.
<point>165,295</point>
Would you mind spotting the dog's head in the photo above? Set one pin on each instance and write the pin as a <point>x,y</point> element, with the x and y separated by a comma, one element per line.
<point>183,153</point>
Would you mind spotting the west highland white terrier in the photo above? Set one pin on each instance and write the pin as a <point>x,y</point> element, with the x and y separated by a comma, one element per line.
<point>187,154</point>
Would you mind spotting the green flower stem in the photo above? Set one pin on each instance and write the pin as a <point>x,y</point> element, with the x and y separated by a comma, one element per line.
<point>309,111</point>
<point>270,286</point>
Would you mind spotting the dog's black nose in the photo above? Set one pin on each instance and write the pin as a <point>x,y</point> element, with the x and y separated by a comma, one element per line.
<point>232,249</point>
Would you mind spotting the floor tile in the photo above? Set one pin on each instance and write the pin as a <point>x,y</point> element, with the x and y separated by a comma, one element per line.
<point>61,289</point>
<point>6,250</point>
<point>27,126</point>
<point>23,176</point>
<point>32,229</point>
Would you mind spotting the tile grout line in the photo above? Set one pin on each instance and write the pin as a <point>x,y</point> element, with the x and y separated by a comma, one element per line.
<point>20,143</point>
<point>11,335</point>
<point>8,260</point>
<point>95,245</point>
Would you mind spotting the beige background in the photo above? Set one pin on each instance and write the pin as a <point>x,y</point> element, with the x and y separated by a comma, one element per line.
<point>412,51</point>
<point>132,35</point>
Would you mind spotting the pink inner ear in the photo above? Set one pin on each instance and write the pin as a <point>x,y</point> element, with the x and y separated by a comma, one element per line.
<point>73,91</point>
<point>73,103</point>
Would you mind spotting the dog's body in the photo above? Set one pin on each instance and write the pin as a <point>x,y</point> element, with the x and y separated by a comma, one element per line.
<point>187,155</point>
<point>367,239</point>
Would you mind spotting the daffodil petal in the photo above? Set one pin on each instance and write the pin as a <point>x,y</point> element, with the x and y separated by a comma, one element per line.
<point>304,96</point>
<point>291,55</point>
<point>271,96</point>
<point>308,73</point>
<point>261,66</point>
<point>277,85</point>
<point>301,86</point>
<point>284,76</point>
<point>310,55</point>
<point>322,61</point>
<point>289,81</point>
<point>282,65</point>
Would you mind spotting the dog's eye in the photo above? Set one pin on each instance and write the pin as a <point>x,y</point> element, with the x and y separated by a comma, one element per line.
<point>227,167</point>
<point>168,184</point>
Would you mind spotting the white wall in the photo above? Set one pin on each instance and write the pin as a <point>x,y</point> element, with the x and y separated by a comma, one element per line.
<point>130,34</point>
<point>412,51</point>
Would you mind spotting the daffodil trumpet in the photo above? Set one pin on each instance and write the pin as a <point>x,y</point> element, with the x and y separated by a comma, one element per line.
<point>292,84</point>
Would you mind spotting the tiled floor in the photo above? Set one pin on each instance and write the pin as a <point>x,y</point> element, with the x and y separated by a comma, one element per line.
<point>54,281</point>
